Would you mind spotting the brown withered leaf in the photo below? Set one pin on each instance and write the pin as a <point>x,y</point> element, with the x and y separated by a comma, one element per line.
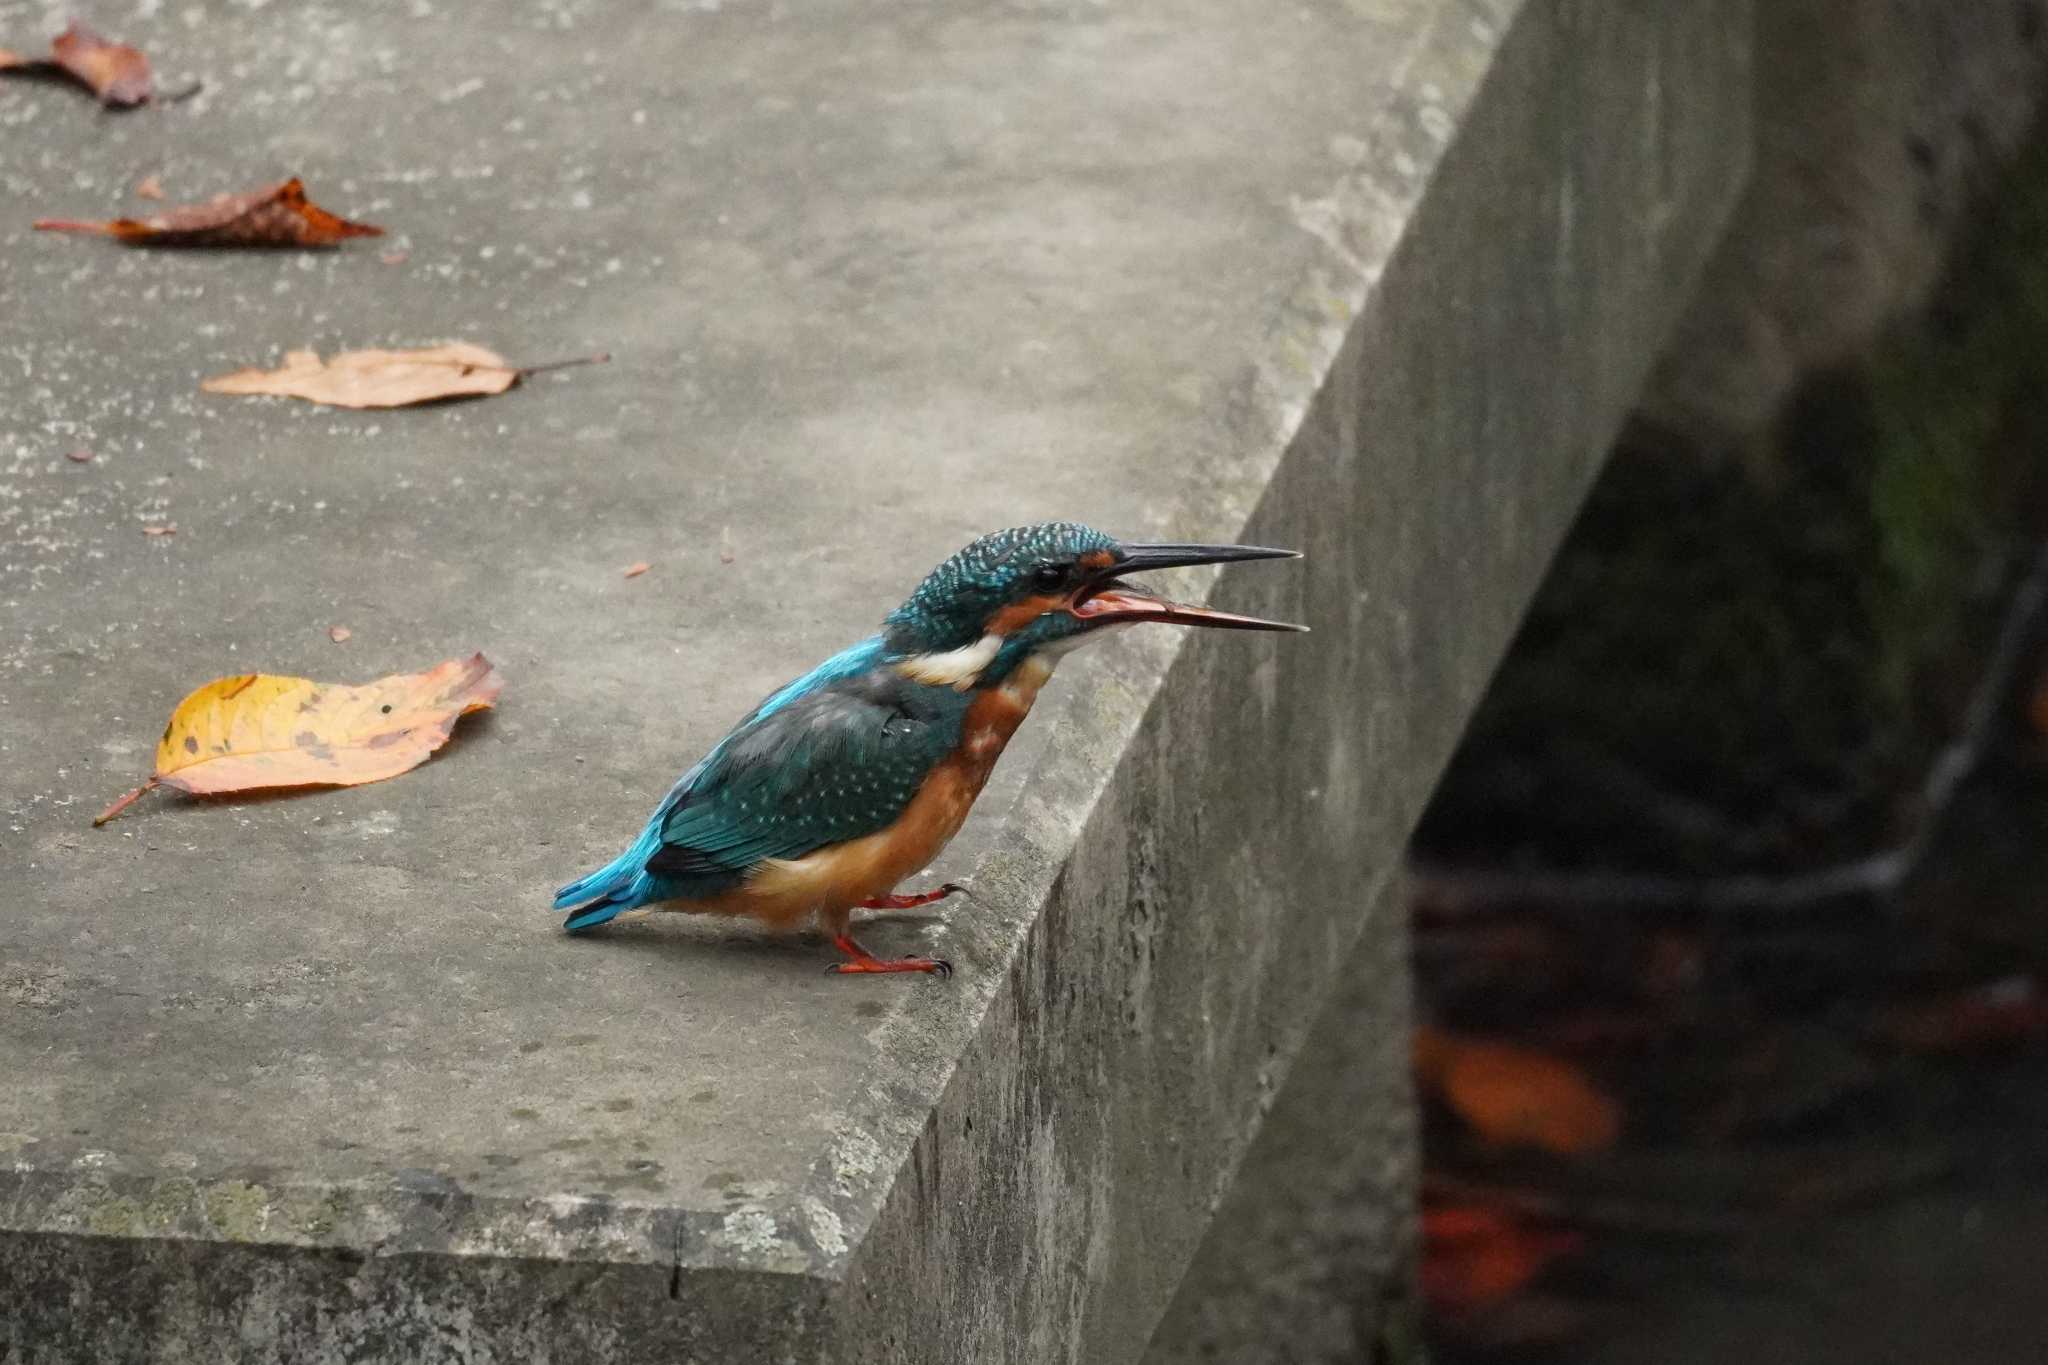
<point>339,634</point>
<point>278,216</point>
<point>634,570</point>
<point>385,379</point>
<point>1474,1256</point>
<point>255,731</point>
<point>115,72</point>
<point>167,528</point>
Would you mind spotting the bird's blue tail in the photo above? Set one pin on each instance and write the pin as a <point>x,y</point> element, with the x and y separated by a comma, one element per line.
<point>618,886</point>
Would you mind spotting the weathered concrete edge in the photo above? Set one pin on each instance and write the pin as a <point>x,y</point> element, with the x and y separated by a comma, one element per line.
<point>1492,304</point>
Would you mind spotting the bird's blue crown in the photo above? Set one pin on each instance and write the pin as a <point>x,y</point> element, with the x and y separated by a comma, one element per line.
<point>952,606</point>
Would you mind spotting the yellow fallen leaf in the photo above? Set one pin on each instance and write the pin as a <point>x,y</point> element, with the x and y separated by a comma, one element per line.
<point>259,730</point>
<point>385,379</point>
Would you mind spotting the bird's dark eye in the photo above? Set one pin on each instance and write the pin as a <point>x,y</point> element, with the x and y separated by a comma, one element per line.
<point>1048,576</point>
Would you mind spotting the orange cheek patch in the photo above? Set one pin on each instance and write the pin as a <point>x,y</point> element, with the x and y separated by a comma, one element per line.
<point>1096,560</point>
<point>1018,615</point>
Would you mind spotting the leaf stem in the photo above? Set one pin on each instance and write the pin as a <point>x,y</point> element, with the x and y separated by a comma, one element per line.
<point>73,225</point>
<point>123,804</point>
<point>529,371</point>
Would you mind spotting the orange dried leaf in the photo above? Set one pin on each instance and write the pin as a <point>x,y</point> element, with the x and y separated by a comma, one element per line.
<point>1475,1256</point>
<point>115,72</point>
<point>278,216</point>
<point>635,570</point>
<point>1516,1097</point>
<point>261,730</point>
<point>384,379</point>
<point>166,528</point>
<point>339,634</point>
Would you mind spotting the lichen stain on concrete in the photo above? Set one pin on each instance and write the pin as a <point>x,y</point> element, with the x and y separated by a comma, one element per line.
<point>118,1215</point>
<point>855,1157</point>
<point>825,1227</point>
<point>751,1232</point>
<point>239,1210</point>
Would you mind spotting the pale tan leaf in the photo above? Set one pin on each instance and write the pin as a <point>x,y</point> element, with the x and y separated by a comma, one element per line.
<point>377,378</point>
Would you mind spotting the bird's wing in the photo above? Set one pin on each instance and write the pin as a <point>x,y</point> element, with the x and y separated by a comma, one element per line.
<point>836,763</point>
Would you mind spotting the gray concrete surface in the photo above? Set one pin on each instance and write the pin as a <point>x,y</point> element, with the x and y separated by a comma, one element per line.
<point>316,1077</point>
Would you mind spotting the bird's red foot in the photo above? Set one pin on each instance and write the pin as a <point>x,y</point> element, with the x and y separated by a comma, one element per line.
<point>911,902</point>
<point>861,960</point>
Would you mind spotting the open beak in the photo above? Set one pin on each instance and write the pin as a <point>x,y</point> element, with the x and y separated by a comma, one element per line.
<point>1108,600</point>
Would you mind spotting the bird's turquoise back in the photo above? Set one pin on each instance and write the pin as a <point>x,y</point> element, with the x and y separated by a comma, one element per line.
<point>835,755</point>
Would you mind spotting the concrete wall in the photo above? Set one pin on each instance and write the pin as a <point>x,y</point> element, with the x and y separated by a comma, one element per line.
<point>1880,126</point>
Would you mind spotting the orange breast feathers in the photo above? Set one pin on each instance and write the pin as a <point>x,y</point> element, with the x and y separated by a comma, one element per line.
<point>834,879</point>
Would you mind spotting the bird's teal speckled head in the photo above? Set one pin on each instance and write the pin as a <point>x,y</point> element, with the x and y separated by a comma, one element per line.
<point>1028,589</point>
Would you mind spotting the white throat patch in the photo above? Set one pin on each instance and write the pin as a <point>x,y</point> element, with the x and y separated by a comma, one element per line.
<point>958,667</point>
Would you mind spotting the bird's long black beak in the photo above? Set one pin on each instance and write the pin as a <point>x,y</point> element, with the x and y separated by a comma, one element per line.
<point>1108,600</point>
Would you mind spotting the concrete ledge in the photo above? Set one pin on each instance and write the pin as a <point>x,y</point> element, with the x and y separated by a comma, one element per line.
<point>316,1078</point>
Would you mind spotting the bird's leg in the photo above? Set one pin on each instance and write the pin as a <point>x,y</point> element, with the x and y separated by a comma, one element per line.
<point>861,960</point>
<point>911,902</point>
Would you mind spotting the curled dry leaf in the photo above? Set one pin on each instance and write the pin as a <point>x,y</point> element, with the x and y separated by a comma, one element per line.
<point>1475,1256</point>
<point>635,570</point>
<point>384,379</point>
<point>168,528</point>
<point>278,216</point>
<point>115,72</point>
<point>1516,1096</point>
<point>339,634</point>
<point>261,730</point>
<point>79,456</point>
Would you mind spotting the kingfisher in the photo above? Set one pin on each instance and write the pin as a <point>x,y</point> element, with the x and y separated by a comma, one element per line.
<point>842,784</point>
